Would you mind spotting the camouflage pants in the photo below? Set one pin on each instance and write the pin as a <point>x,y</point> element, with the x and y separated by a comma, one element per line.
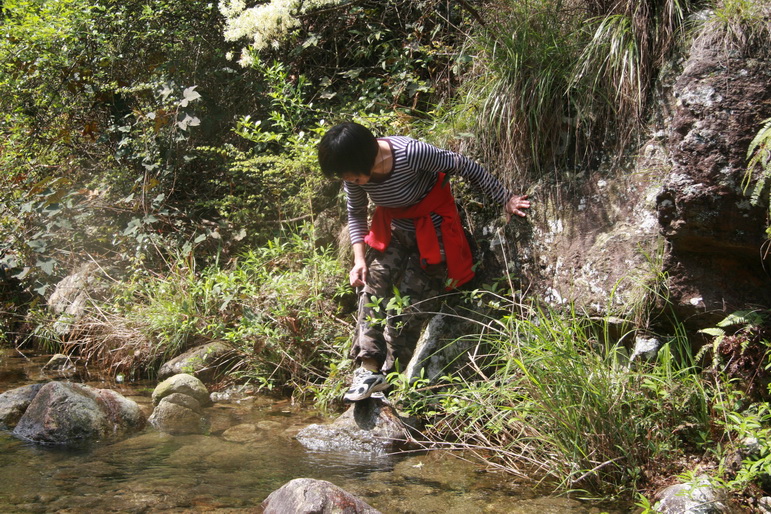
<point>387,335</point>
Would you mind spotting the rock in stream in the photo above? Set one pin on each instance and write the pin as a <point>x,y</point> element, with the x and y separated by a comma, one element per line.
<point>371,426</point>
<point>64,413</point>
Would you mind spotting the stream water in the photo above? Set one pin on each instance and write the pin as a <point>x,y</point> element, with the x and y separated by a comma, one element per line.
<point>222,472</point>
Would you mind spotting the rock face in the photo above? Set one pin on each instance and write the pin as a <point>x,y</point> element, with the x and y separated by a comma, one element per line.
<point>308,496</point>
<point>68,414</point>
<point>438,349</point>
<point>715,234</point>
<point>71,296</point>
<point>370,426</point>
<point>674,213</point>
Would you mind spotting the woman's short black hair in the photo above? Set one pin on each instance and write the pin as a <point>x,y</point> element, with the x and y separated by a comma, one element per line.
<point>347,148</point>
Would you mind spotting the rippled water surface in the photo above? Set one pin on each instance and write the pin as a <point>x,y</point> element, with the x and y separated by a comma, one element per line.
<point>235,467</point>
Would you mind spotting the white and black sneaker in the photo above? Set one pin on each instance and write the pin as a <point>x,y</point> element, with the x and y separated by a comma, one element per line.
<point>365,382</point>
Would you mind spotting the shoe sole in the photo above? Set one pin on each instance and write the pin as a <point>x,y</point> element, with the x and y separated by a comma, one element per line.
<point>363,396</point>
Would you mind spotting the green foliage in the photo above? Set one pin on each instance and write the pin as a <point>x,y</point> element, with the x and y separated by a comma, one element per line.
<point>740,351</point>
<point>286,331</point>
<point>41,73</point>
<point>523,80</point>
<point>366,55</point>
<point>740,367</point>
<point>276,179</point>
<point>102,106</point>
<point>751,429</point>
<point>393,309</point>
<point>271,307</point>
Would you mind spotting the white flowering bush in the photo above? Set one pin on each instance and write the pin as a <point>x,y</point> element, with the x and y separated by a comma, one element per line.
<point>265,24</point>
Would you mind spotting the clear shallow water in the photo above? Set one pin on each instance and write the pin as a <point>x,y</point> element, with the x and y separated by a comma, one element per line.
<point>235,467</point>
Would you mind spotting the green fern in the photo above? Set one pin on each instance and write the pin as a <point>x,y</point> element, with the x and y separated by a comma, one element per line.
<point>741,319</point>
<point>759,155</point>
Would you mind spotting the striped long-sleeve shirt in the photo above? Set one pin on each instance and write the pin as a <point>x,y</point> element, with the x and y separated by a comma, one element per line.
<point>415,168</point>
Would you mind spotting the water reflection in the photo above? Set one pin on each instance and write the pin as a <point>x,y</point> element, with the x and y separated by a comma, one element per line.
<point>250,452</point>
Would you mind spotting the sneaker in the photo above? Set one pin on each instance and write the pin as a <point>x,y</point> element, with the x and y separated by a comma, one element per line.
<point>365,382</point>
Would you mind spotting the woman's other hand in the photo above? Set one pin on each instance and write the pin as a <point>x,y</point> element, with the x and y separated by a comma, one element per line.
<point>515,205</point>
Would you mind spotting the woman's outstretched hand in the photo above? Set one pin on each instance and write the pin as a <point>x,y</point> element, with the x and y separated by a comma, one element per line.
<point>515,205</point>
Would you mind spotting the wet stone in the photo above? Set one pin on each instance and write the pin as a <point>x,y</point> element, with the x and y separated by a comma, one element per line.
<point>369,426</point>
<point>184,384</point>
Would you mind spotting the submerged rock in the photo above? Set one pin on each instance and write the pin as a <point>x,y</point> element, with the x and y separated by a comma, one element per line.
<point>308,496</point>
<point>370,426</point>
<point>244,433</point>
<point>69,414</point>
<point>14,403</point>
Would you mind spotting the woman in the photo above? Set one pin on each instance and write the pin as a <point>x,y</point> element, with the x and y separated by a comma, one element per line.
<point>417,247</point>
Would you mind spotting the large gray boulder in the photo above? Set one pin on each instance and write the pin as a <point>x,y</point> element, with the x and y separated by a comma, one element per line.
<point>64,413</point>
<point>308,496</point>
<point>14,403</point>
<point>369,426</point>
<point>185,384</point>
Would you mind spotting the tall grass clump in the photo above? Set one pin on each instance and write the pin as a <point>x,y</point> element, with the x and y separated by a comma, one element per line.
<point>519,82</point>
<point>552,398</point>
<point>742,26</point>
<point>557,82</point>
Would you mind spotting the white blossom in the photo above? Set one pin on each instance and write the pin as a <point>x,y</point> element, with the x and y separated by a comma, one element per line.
<point>265,24</point>
<point>247,59</point>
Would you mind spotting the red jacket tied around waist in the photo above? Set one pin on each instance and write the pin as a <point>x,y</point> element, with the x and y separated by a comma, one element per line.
<point>456,248</point>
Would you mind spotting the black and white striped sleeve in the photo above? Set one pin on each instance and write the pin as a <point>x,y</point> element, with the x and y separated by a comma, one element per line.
<point>357,212</point>
<point>430,158</point>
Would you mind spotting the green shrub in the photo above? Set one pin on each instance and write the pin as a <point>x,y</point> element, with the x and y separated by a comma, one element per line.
<point>274,307</point>
<point>367,56</point>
